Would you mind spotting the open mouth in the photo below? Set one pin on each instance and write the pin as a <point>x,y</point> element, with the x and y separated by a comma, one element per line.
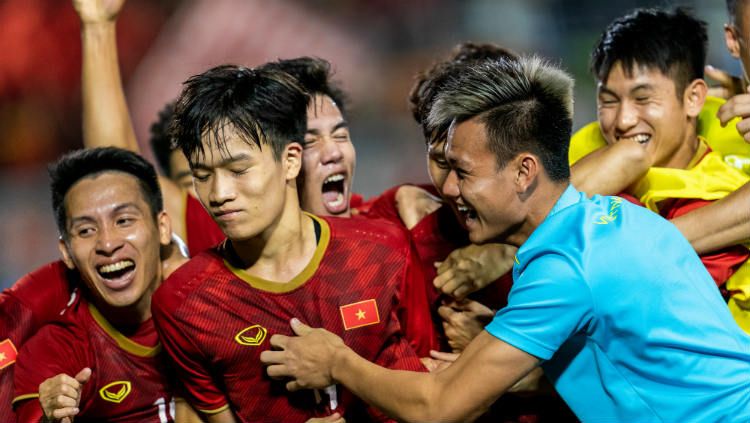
<point>469,215</point>
<point>334,193</point>
<point>640,138</point>
<point>116,275</point>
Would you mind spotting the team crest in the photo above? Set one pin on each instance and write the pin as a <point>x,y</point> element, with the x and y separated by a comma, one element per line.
<point>251,336</point>
<point>115,391</point>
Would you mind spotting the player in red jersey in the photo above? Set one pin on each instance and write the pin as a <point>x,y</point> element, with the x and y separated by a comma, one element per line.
<point>99,359</point>
<point>242,130</point>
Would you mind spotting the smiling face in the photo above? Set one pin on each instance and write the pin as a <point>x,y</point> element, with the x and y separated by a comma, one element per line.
<point>113,240</point>
<point>485,195</point>
<point>644,107</point>
<point>243,187</point>
<point>328,160</point>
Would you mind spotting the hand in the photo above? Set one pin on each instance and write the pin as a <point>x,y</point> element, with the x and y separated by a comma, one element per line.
<point>98,11</point>
<point>473,267</point>
<point>414,204</point>
<point>463,321</point>
<point>333,418</point>
<point>438,361</point>
<point>737,106</point>
<point>307,358</point>
<point>61,394</point>
<point>729,85</point>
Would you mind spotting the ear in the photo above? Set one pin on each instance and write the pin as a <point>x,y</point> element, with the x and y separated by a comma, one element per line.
<point>291,158</point>
<point>66,257</point>
<point>694,97</point>
<point>732,40</point>
<point>527,169</point>
<point>164,225</point>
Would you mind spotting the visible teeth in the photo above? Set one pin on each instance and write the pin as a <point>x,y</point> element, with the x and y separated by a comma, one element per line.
<point>338,201</point>
<point>463,209</point>
<point>114,267</point>
<point>640,138</point>
<point>334,178</point>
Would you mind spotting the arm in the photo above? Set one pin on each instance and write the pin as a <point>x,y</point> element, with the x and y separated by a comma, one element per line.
<point>721,224</point>
<point>463,321</point>
<point>611,169</point>
<point>460,392</point>
<point>414,203</point>
<point>471,268</point>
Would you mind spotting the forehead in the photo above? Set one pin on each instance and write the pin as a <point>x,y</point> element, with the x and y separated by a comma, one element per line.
<point>103,191</point>
<point>322,106</point>
<point>467,142</point>
<point>225,145</point>
<point>620,77</point>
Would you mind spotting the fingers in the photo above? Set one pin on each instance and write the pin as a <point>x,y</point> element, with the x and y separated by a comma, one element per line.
<point>66,412</point>
<point>279,341</point>
<point>444,356</point>
<point>737,106</point>
<point>446,313</point>
<point>278,371</point>
<point>272,357</point>
<point>84,375</point>
<point>300,328</point>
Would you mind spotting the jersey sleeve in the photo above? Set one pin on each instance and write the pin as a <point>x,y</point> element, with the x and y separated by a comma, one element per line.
<point>548,303</point>
<point>414,312</point>
<point>52,351</point>
<point>201,231</point>
<point>198,385</point>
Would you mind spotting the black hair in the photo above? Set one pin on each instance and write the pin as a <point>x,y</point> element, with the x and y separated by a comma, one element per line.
<point>265,106</point>
<point>87,163</point>
<point>315,77</point>
<point>431,81</point>
<point>161,142</point>
<point>673,42</point>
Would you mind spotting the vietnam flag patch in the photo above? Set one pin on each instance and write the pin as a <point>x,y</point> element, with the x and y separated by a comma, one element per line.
<point>363,313</point>
<point>8,353</point>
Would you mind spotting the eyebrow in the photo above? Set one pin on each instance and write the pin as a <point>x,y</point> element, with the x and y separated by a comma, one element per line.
<point>341,124</point>
<point>222,163</point>
<point>120,207</point>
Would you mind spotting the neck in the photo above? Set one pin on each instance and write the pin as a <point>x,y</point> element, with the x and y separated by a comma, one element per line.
<point>282,250</point>
<point>541,198</point>
<point>128,319</point>
<point>683,155</point>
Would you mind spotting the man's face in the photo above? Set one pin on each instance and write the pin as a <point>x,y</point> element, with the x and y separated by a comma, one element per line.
<point>485,195</point>
<point>242,186</point>
<point>438,168</point>
<point>113,239</point>
<point>179,171</point>
<point>645,108</point>
<point>328,160</point>
<point>737,35</point>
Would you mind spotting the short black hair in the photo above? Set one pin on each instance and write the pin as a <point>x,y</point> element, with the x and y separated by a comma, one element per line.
<point>315,77</point>
<point>161,141</point>
<point>432,80</point>
<point>674,42</point>
<point>264,105</point>
<point>524,103</point>
<point>86,163</point>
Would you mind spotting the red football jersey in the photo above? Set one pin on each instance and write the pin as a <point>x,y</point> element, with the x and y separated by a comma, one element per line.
<point>34,300</point>
<point>201,230</point>
<point>129,381</point>
<point>215,320</point>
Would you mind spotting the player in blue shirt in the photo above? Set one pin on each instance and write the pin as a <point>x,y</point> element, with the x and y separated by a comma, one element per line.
<point>608,298</point>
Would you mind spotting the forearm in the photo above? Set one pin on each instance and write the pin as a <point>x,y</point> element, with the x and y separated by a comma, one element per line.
<point>609,170</point>
<point>718,225</point>
<point>106,120</point>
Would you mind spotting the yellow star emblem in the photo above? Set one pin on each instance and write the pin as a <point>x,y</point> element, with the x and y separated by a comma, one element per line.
<point>360,314</point>
<point>2,356</point>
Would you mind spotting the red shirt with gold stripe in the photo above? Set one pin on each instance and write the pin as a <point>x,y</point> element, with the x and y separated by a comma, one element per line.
<point>129,381</point>
<point>34,300</point>
<point>215,320</point>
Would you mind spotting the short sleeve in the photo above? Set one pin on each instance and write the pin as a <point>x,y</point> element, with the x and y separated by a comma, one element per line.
<point>199,386</point>
<point>549,302</point>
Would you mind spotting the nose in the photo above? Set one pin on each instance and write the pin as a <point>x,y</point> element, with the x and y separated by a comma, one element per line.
<point>331,151</point>
<point>627,117</point>
<point>222,189</point>
<point>108,240</point>
<point>450,185</point>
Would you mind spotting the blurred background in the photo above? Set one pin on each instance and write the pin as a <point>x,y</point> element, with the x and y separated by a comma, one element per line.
<point>375,46</point>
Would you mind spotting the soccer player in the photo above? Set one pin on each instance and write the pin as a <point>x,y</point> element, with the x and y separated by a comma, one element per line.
<point>242,130</point>
<point>651,92</point>
<point>100,360</point>
<point>613,352</point>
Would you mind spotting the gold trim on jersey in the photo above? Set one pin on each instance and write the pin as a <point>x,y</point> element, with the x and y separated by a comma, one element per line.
<point>117,396</point>
<point>123,341</point>
<point>24,397</point>
<point>301,278</point>
<point>251,336</point>
<point>216,411</point>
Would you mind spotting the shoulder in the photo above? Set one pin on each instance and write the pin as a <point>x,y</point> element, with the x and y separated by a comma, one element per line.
<point>368,231</point>
<point>185,280</point>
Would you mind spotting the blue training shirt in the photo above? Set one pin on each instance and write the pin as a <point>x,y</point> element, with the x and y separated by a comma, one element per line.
<point>629,324</point>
